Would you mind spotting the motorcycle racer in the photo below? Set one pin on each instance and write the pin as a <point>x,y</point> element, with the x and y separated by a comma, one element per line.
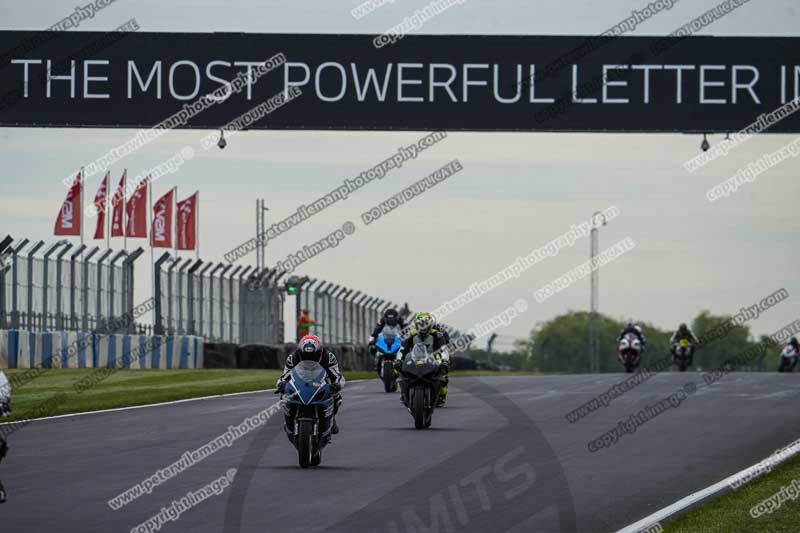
<point>310,349</point>
<point>424,331</point>
<point>636,330</point>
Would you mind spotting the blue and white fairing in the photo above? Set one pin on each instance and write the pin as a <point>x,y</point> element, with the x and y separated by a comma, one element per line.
<point>308,384</point>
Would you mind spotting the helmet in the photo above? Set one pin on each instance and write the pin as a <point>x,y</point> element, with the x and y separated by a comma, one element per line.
<point>391,317</point>
<point>793,341</point>
<point>423,322</point>
<point>630,326</point>
<point>310,347</point>
<point>682,327</point>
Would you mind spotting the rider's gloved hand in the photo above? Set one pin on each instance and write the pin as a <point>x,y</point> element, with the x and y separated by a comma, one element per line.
<point>281,388</point>
<point>336,387</point>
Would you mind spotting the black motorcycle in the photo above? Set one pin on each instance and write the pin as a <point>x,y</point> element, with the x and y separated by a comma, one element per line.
<point>420,373</point>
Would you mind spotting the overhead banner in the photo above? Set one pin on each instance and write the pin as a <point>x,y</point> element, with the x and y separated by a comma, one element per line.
<point>420,82</point>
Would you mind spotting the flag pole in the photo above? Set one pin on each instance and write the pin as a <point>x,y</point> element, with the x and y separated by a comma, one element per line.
<point>124,210</point>
<point>197,225</point>
<point>107,219</point>
<point>152,258</point>
<point>175,216</point>
<point>80,182</point>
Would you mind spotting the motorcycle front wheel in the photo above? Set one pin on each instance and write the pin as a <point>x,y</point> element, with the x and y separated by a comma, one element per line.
<point>388,375</point>
<point>418,408</point>
<point>305,446</point>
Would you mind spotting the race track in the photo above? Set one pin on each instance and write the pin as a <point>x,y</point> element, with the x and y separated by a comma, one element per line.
<point>500,457</point>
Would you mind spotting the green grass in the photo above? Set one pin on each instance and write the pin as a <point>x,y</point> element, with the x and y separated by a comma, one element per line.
<point>731,512</point>
<point>54,392</point>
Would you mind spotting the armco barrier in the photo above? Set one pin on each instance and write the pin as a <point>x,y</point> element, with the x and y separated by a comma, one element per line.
<point>75,349</point>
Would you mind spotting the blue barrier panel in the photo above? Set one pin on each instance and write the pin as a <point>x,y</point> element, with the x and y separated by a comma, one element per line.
<point>47,350</point>
<point>13,348</point>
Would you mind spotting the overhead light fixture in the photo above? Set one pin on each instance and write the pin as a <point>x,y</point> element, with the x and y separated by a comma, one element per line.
<point>704,146</point>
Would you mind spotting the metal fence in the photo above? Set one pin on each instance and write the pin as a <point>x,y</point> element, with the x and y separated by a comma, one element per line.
<point>233,303</point>
<point>61,287</point>
<point>343,315</point>
<point>66,287</point>
<point>220,302</point>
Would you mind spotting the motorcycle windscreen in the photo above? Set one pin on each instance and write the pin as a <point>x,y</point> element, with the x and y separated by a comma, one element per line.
<point>421,353</point>
<point>307,379</point>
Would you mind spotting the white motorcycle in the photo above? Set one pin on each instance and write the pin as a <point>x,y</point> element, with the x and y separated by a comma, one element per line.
<point>629,351</point>
<point>788,359</point>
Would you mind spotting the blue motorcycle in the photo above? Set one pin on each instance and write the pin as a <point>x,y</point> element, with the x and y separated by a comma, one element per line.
<point>308,411</point>
<point>387,346</point>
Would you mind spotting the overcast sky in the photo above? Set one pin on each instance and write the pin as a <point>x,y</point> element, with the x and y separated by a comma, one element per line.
<point>516,192</point>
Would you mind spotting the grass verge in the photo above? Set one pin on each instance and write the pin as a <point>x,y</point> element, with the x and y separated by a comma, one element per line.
<point>64,391</point>
<point>730,513</point>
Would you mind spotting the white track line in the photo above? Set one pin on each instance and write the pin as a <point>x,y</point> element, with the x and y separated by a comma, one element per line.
<point>29,420</point>
<point>681,505</point>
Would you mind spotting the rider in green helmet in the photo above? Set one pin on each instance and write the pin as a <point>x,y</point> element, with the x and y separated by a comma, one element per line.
<point>425,331</point>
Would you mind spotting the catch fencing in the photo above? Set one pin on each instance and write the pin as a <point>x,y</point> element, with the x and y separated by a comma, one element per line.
<point>239,304</point>
<point>62,287</point>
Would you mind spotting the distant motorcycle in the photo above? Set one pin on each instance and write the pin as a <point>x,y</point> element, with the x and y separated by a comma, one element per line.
<point>309,410</point>
<point>682,354</point>
<point>788,359</point>
<point>629,351</point>
<point>420,370</point>
<point>387,346</point>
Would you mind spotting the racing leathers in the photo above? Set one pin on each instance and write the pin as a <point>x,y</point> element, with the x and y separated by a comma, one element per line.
<point>436,341</point>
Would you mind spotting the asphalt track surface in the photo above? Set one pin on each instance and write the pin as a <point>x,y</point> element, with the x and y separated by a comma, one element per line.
<point>500,457</point>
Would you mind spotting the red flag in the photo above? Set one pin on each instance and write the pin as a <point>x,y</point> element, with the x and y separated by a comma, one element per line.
<point>161,228</point>
<point>187,211</point>
<point>100,208</point>
<point>136,211</point>
<point>68,221</point>
<point>117,203</point>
